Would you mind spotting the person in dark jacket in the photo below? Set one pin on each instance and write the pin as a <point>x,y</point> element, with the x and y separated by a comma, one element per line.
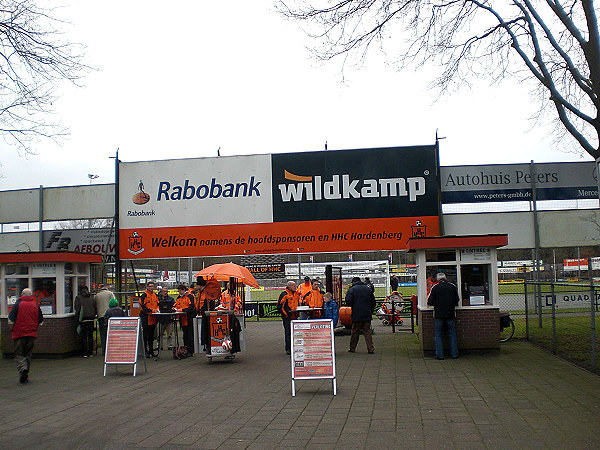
<point>114,310</point>
<point>25,316</point>
<point>370,284</point>
<point>394,283</point>
<point>362,301</point>
<point>444,298</point>
<point>85,311</point>
<point>166,322</point>
<point>331,309</point>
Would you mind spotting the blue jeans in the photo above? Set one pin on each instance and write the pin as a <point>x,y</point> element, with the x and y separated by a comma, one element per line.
<point>439,343</point>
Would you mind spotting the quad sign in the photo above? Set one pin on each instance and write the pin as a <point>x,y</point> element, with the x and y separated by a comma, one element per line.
<point>347,200</point>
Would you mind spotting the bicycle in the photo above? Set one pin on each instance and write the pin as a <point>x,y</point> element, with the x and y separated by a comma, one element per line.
<point>507,327</point>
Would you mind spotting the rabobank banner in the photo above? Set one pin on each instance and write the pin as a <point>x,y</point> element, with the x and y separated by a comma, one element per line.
<point>344,200</point>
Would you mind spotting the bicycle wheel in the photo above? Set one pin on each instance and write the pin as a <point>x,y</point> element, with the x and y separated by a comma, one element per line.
<point>507,332</point>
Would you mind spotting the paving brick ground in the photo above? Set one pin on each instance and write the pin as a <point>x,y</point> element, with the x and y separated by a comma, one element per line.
<point>519,397</point>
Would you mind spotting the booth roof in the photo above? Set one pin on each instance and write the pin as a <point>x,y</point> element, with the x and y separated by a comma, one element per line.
<point>32,257</point>
<point>439,242</point>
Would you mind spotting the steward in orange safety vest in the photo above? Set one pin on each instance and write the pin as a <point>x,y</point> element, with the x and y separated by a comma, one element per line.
<point>288,302</point>
<point>148,305</point>
<point>185,303</point>
<point>314,299</point>
<point>305,287</point>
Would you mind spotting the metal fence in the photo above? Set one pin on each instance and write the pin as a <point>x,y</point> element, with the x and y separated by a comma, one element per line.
<point>563,318</point>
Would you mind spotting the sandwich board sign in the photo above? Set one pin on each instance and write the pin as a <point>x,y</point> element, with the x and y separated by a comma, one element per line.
<point>313,351</point>
<point>123,342</point>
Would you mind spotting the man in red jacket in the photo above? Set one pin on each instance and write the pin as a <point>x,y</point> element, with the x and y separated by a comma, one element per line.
<point>25,316</point>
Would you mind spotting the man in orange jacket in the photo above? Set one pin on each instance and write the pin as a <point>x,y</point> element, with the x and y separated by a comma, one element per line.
<point>185,303</point>
<point>314,299</point>
<point>149,305</point>
<point>286,305</point>
<point>305,287</point>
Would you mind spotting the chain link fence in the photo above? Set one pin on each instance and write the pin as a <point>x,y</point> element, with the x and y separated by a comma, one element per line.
<point>563,318</point>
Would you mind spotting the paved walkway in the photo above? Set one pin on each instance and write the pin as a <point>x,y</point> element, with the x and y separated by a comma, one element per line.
<point>520,397</point>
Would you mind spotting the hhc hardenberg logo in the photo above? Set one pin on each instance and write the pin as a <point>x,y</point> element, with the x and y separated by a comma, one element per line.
<point>135,244</point>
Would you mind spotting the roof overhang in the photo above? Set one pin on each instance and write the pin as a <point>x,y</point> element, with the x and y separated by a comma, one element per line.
<point>35,257</point>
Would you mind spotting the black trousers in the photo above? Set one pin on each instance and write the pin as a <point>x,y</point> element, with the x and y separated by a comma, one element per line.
<point>188,337</point>
<point>87,336</point>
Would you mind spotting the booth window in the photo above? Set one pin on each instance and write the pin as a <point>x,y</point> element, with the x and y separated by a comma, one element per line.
<point>16,269</point>
<point>440,255</point>
<point>44,293</point>
<point>14,287</point>
<point>69,295</point>
<point>475,284</point>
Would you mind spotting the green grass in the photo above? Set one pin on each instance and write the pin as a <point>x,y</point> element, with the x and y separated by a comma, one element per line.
<point>573,336</point>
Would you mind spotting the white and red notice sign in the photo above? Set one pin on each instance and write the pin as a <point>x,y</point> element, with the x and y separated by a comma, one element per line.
<point>313,351</point>
<point>122,340</point>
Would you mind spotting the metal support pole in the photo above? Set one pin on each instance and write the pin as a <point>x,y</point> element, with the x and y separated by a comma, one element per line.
<point>41,220</point>
<point>593,318</point>
<point>118,276</point>
<point>553,319</point>
<point>526,313</point>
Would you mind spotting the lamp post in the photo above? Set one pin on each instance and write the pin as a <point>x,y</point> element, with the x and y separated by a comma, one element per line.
<point>92,177</point>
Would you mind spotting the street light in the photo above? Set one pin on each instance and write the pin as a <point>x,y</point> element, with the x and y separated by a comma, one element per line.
<point>91,176</point>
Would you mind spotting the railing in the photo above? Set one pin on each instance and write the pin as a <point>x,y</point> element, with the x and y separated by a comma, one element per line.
<point>563,318</point>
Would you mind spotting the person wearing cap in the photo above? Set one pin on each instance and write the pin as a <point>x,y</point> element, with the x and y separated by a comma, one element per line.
<point>362,301</point>
<point>314,299</point>
<point>444,298</point>
<point>305,287</point>
<point>114,310</point>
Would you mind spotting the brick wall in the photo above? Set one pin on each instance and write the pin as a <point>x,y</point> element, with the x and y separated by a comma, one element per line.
<point>56,337</point>
<point>475,329</point>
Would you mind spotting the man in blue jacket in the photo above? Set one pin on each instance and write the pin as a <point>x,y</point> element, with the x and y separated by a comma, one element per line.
<point>362,301</point>
<point>444,298</point>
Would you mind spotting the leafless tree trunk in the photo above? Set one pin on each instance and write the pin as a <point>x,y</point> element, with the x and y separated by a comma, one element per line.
<point>33,60</point>
<point>555,45</point>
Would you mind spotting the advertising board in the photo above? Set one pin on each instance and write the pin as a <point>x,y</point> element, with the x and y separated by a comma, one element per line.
<point>313,350</point>
<point>512,182</point>
<point>348,200</point>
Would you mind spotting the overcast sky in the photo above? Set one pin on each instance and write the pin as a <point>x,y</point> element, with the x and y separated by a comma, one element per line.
<point>182,81</point>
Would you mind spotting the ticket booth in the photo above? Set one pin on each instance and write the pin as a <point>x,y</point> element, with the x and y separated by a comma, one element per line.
<point>54,279</point>
<point>469,262</point>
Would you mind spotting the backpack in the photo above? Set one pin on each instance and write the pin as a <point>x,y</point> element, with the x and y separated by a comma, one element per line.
<point>180,352</point>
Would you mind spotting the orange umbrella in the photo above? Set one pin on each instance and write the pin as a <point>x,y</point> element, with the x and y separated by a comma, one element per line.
<point>223,272</point>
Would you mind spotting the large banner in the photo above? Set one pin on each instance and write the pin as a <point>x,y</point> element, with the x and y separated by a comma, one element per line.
<point>513,182</point>
<point>100,241</point>
<point>348,200</point>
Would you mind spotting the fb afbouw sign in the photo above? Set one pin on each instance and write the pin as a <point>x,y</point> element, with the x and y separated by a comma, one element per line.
<point>348,200</point>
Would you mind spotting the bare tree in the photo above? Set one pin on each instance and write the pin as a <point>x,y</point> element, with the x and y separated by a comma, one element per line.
<point>83,224</point>
<point>554,45</point>
<point>34,58</point>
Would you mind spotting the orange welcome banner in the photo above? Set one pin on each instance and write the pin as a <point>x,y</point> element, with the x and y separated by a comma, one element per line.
<point>282,237</point>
